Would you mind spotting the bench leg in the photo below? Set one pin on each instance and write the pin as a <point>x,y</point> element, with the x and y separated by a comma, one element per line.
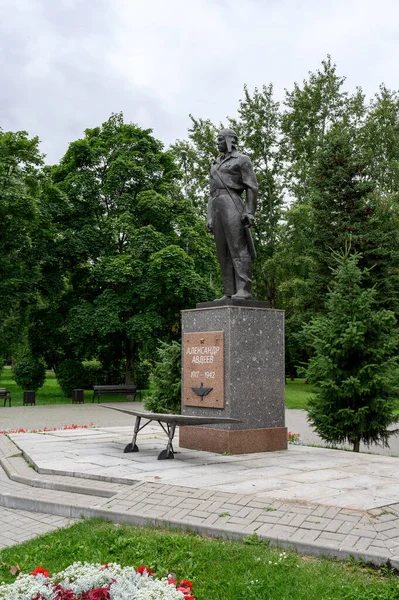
<point>132,447</point>
<point>168,453</point>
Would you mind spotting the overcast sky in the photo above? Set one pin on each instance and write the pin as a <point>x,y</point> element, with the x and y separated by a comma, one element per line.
<point>68,64</point>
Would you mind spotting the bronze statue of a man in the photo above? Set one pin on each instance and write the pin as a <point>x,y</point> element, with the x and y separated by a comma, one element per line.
<point>229,219</point>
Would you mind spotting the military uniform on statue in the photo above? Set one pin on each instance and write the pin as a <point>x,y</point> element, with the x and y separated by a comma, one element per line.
<point>229,219</point>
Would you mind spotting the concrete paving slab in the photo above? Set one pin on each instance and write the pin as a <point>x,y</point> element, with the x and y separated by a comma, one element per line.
<point>316,500</point>
<point>310,473</point>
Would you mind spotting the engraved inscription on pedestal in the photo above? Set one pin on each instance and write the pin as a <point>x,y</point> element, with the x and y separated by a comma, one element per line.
<point>203,369</point>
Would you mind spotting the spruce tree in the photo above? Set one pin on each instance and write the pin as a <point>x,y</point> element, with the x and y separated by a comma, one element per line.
<point>340,201</point>
<point>347,208</point>
<point>354,366</point>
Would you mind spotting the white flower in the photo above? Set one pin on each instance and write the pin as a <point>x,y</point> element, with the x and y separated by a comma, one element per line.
<point>124,582</point>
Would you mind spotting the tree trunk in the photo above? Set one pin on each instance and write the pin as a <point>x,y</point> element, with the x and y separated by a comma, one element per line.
<point>131,358</point>
<point>356,446</point>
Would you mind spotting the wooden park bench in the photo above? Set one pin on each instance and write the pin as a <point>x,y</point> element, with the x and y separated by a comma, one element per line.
<point>171,422</point>
<point>115,390</point>
<point>5,395</point>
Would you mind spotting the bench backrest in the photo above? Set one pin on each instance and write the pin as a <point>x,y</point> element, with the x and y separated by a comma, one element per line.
<point>3,391</point>
<point>122,388</point>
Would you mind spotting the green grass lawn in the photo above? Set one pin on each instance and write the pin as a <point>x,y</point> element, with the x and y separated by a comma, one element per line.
<point>220,570</point>
<point>297,393</point>
<point>50,393</point>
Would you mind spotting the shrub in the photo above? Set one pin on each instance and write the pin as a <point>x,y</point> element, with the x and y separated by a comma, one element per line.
<point>143,371</point>
<point>92,374</point>
<point>70,374</point>
<point>166,377</point>
<point>29,372</point>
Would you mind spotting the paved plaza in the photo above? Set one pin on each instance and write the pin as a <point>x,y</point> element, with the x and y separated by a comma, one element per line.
<point>316,500</point>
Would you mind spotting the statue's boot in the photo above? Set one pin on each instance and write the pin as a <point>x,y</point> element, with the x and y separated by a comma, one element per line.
<point>242,295</point>
<point>243,278</point>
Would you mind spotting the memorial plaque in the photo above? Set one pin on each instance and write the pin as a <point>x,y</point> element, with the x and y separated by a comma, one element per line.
<point>203,369</point>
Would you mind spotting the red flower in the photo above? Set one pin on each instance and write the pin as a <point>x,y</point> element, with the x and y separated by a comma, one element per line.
<point>63,594</point>
<point>186,583</point>
<point>97,594</point>
<point>143,569</point>
<point>172,581</point>
<point>184,590</point>
<point>40,571</point>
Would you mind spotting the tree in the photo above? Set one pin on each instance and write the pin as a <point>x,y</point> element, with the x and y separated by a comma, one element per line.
<point>340,201</point>
<point>355,364</point>
<point>346,208</point>
<point>20,175</point>
<point>379,138</point>
<point>310,112</point>
<point>195,156</point>
<point>129,245</point>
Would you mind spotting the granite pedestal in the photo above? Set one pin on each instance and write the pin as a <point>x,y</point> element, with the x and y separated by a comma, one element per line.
<point>233,366</point>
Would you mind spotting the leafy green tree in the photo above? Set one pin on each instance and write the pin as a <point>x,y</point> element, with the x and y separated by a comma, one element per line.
<point>309,113</point>
<point>379,139</point>
<point>131,250</point>
<point>355,365</point>
<point>195,156</point>
<point>20,175</point>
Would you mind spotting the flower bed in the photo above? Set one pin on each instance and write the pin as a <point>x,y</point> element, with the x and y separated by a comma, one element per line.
<point>87,581</point>
<point>46,429</point>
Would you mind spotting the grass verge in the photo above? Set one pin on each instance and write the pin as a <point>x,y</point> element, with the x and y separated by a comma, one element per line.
<point>50,393</point>
<point>220,570</point>
<point>297,394</point>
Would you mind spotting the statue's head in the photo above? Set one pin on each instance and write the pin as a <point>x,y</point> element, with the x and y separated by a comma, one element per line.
<point>226,140</point>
